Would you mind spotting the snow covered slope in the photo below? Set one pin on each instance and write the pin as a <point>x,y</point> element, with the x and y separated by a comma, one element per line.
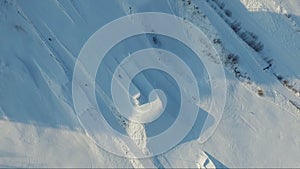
<point>258,42</point>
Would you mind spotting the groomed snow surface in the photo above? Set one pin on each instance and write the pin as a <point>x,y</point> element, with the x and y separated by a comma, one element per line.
<point>41,40</point>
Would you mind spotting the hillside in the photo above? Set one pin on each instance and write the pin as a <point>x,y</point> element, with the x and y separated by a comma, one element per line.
<point>47,111</point>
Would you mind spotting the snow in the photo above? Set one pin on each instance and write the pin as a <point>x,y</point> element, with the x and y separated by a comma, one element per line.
<point>39,50</point>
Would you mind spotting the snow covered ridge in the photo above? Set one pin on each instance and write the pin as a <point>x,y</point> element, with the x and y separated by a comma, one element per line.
<point>40,47</point>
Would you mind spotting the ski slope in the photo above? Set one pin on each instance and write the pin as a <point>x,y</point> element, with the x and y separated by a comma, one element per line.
<point>40,43</point>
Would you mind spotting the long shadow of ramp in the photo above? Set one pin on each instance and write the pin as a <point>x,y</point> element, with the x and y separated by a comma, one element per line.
<point>216,162</point>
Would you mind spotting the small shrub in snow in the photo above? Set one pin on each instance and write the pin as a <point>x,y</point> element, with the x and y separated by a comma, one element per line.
<point>228,12</point>
<point>288,15</point>
<point>285,82</point>
<point>235,26</point>
<point>279,77</point>
<point>232,59</point>
<point>258,47</point>
<point>221,5</point>
<point>260,92</point>
<point>155,40</point>
<point>217,41</point>
<point>189,2</point>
